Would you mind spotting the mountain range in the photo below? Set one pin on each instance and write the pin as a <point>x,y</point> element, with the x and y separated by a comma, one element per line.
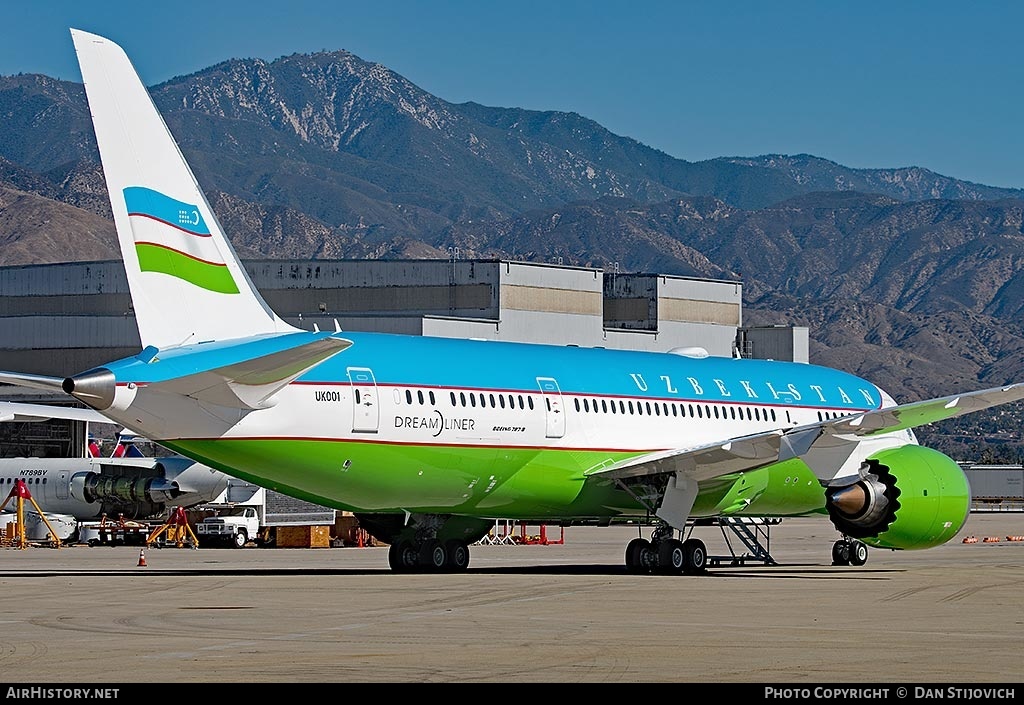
<point>907,277</point>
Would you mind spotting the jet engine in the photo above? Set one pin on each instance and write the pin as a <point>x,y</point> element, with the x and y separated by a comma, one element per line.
<point>909,497</point>
<point>129,494</point>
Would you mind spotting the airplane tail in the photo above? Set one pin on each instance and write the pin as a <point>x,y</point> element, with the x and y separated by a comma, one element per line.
<point>186,281</point>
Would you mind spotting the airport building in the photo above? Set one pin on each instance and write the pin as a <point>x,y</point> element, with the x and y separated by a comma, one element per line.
<point>57,319</point>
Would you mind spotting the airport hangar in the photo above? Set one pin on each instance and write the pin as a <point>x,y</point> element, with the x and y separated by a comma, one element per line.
<point>65,318</point>
<point>57,319</point>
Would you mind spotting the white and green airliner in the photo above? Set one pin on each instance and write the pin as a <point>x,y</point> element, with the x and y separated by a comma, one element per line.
<point>430,440</point>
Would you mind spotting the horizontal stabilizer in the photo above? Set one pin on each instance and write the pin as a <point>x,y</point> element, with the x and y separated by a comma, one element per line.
<point>17,411</point>
<point>21,379</point>
<point>249,384</point>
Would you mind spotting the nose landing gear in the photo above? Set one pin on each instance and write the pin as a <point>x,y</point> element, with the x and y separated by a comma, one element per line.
<point>848,551</point>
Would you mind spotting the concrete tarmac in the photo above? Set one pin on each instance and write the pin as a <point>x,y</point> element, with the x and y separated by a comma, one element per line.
<point>563,613</point>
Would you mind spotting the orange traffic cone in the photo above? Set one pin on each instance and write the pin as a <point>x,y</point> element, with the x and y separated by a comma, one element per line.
<point>142,557</point>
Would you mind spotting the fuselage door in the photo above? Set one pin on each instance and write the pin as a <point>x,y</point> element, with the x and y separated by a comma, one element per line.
<point>365,401</point>
<point>553,409</point>
<point>62,485</point>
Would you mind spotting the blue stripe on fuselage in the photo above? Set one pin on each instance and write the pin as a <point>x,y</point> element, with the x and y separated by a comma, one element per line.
<point>471,364</point>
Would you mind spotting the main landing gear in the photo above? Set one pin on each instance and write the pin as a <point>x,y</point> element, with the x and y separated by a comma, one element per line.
<point>430,556</point>
<point>666,554</point>
<point>848,551</point>
<point>426,543</point>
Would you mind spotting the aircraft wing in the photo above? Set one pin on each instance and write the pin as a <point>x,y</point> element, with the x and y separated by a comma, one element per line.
<point>17,411</point>
<point>824,445</point>
<point>705,462</point>
<point>919,413</point>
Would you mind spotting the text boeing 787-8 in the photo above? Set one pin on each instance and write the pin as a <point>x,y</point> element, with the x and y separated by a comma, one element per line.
<point>430,440</point>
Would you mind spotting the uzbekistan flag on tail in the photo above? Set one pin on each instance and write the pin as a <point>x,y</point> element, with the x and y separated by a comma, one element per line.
<point>172,238</point>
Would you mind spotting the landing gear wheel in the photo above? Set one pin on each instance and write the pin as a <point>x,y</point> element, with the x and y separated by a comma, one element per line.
<point>432,555</point>
<point>458,555</point>
<point>403,556</point>
<point>635,555</point>
<point>841,552</point>
<point>858,553</point>
<point>695,557</point>
<point>671,557</point>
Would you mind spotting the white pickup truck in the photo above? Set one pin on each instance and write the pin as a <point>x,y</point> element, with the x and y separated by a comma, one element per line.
<point>249,514</point>
<point>232,525</point>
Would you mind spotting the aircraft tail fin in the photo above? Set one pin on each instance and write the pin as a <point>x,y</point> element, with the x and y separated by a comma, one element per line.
<point>186,281</point>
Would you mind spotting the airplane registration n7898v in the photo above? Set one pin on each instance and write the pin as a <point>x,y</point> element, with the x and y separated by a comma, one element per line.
<point>430,440</point>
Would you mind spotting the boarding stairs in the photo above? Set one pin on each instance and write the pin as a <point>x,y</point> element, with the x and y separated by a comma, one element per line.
<point>753,532</point>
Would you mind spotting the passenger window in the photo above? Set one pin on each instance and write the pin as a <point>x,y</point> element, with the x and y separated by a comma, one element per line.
<point>408,397</point>
<point>419,396</point>
<point>432,399</point>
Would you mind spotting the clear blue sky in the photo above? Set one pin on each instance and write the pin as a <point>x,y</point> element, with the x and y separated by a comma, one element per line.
<point>934,84</point>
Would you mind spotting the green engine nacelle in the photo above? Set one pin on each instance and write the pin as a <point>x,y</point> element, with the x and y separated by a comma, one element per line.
<point>912,497</point>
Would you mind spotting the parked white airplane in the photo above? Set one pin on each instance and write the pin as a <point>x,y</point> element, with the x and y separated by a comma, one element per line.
<point>429,440</point>
<point>86,488</point>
